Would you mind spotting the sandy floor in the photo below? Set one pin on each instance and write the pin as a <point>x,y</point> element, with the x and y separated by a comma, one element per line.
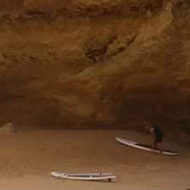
<point>28,157</point>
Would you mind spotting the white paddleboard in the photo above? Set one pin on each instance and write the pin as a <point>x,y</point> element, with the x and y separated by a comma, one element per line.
<point>144,147</point>
<point>85,177</point>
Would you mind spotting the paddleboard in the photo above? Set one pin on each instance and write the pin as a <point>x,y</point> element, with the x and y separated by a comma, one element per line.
<point>144,147</point>
<point>85,177</point>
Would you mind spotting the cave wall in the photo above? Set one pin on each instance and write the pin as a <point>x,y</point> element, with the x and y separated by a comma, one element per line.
<point>94,63</point>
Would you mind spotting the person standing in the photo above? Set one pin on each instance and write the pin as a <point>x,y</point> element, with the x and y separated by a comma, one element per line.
<point>158,136</point>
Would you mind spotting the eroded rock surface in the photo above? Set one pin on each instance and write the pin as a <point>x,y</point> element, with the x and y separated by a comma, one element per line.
<point>101,63</point>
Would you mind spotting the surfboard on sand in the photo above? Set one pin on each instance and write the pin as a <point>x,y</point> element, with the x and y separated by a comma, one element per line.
<point>144,147</point>
<point>85,177</point>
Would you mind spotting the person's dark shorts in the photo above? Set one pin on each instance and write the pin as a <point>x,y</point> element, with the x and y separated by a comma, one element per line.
<point>158,134</point>
<point>159,138</point>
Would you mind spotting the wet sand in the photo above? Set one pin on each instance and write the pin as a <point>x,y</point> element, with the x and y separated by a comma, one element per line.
<point>28,157</point>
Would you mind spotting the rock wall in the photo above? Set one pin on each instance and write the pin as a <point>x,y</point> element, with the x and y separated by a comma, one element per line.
<point>87,63</point>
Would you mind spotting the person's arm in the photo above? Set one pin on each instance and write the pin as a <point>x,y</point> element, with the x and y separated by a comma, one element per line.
<point>152,131</point>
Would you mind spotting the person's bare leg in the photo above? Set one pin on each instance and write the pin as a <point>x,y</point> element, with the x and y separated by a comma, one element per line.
<point>160,146</point>
<point>155,145</point>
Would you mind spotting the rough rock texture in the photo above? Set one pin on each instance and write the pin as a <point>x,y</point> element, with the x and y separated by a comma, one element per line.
<point>95,62</point>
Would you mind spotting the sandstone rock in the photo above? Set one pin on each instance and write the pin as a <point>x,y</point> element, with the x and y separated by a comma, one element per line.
<point>62,63</point>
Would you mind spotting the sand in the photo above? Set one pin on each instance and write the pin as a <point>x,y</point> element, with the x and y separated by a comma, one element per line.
<point>28,156</point>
